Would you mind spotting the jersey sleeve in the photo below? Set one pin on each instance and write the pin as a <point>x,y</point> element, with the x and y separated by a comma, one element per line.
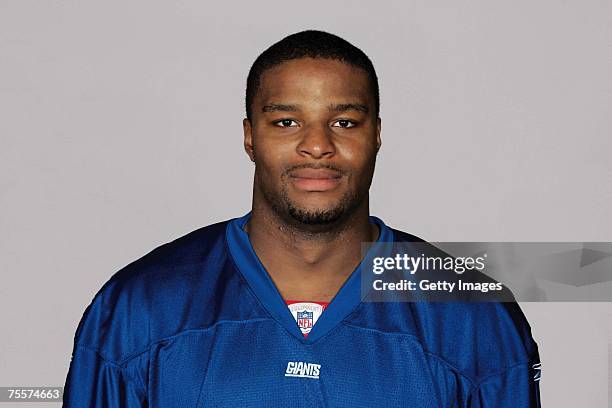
<point>108,367</point>
<point>93,381</point>
<point>517,387</point>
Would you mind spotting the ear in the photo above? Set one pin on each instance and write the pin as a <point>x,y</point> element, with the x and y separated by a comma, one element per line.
<point>378,141</point>
<point>247,129</point>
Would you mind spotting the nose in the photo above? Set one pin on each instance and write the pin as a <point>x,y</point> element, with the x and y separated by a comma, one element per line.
<point>316,143</point>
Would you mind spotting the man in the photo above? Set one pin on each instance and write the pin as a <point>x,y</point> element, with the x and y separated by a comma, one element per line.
<point>210,319</point>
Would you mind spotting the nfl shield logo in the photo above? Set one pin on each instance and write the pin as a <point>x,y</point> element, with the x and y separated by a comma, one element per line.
<point>305,319</point>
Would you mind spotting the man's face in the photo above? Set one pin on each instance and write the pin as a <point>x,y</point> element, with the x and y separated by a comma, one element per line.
<point>313,137</point>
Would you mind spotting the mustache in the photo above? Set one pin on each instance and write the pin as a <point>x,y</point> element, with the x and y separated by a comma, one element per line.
<point>287,171</point>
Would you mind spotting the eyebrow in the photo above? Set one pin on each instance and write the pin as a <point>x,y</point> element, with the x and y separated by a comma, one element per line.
<point>342,107</point>
<point>275,107</point>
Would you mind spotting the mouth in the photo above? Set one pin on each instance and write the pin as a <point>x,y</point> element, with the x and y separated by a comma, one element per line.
<point>315,180</point>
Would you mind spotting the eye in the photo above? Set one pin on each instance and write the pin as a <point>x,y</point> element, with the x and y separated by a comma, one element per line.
<point>285,123</point>
<point>344,123</point>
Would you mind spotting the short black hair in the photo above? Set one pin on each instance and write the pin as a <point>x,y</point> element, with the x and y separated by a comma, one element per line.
<point>309,44</point>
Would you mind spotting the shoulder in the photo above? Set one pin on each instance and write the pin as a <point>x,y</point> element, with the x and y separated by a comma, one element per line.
<point>162,284</point>
<point>473,339</point>
<point>476,338</point>
<point>401,236</point>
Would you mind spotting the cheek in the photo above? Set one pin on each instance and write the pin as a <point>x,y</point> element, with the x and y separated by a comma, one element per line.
<point>271,146</point>
<point>271,159</point>
<point>359,158</point>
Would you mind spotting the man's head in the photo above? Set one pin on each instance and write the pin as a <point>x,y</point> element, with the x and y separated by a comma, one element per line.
<point>309,44</point>
<point>312,128</point>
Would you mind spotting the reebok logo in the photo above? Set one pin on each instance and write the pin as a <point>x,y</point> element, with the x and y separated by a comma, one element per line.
<point>302,369</point>
<point>537,368</point>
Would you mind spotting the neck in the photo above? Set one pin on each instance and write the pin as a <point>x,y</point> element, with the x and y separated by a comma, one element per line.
<point>306,262</point>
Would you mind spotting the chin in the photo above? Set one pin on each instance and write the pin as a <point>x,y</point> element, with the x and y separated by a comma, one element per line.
<point>315,218</point>
<point>315,209</point>
<point>316,215</point>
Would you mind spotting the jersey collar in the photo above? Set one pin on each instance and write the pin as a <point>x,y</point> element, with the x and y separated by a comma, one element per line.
<point>345,301</point>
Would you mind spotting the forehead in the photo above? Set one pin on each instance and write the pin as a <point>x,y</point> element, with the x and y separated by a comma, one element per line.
<point>314,79</point>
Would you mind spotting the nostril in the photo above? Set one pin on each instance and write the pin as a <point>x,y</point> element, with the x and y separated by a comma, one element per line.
<point>317,144</point>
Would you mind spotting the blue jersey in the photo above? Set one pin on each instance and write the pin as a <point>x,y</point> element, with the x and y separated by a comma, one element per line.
<point>198,322</point>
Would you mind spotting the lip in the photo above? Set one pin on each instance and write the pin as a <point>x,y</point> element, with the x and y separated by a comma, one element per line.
<point>315,180</point>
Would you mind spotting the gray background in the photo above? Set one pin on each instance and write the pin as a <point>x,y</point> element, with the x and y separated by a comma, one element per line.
<point>121,130</point>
